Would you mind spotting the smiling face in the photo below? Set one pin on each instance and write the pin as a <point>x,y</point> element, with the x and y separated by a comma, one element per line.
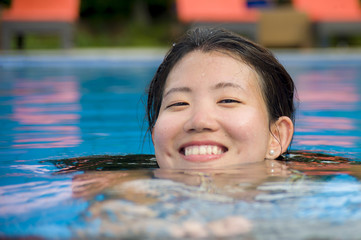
<point>212,114</point>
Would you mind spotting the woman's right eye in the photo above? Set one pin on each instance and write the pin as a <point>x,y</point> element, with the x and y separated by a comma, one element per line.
<point>177,104</point>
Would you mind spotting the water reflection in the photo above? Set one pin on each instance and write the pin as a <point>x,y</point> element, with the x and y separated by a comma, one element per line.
<point>139,203</point>
<point>102,172</point>
<point>130,197</point>
<point>219,181</point>
<point>320,123</point>
<point>47,111</point>
<point>328,140</point>
<point>331,89</point>
<point>23,198</point>
<point>238,202</point>
<point>329,101</point>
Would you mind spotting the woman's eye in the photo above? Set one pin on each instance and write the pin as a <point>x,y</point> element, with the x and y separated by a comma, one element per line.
<point>177,104</point>
<point>229,101</point>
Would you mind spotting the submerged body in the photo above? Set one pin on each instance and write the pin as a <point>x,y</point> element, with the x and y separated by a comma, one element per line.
<point>243,202</point>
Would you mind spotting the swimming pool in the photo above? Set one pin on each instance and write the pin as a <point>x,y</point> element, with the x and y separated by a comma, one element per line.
<point>58,109</point>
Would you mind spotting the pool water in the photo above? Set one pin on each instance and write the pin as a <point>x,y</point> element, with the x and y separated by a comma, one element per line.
<point>76,161</point>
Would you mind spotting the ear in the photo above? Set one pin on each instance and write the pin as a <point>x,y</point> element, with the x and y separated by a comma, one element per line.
<point>281,136</point>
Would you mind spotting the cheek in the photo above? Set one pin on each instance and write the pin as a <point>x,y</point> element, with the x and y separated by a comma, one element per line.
<point>165,130</point>
<point>159,137</point>
<point>248,125</point>
<point>164,136</point>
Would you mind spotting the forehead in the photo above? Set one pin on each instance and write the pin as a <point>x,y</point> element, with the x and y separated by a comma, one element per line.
<point>213,66</point>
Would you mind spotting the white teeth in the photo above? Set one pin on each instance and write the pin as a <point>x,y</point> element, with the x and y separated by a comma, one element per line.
<point>209,149</point>
<point>215,150</point>
<point>202,150</point>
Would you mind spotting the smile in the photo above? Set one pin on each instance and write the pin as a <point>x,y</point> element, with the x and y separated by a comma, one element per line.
<point>202,150</point>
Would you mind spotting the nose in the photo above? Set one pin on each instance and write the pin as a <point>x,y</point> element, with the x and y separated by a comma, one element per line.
<point>201,119</point>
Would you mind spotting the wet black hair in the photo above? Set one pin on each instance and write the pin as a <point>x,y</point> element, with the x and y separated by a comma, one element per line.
<point>277,85</point>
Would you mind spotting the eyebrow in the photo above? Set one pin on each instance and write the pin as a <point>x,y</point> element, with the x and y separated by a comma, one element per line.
<point>178,89</point>
<point>228,84</point>
<point>217,86</point>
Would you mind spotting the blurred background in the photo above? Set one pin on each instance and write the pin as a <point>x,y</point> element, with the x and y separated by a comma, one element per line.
<point>33,24</point>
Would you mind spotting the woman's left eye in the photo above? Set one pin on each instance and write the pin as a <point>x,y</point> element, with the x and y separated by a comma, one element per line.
<point>229,101</point>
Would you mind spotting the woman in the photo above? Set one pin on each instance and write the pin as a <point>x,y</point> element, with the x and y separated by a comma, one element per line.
<point>218,100</point>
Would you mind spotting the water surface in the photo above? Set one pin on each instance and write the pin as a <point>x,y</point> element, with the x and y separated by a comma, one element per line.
<point>76,163</point>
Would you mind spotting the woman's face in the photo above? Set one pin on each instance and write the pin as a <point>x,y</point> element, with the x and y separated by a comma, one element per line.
<point>212,114</point>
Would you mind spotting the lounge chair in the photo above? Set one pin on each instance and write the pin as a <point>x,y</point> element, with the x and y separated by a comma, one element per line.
<point>231,14</point>
<point>39,16</point>
<point>332,17</point>
<point>284,27</point>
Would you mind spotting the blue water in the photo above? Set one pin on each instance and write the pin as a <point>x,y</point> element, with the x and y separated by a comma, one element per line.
<point>56,107</point>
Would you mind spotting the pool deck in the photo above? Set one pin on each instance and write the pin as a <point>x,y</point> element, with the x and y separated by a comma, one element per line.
<point>142,51</point>
<point>91,52</point>
<point>90,56</point>
<point>151,55</point>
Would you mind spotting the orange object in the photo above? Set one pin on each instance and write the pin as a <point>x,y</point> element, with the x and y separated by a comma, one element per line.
<point>215,11</point>
<point>39,16</point>
<point>42,10</point>
<point>330,10</point>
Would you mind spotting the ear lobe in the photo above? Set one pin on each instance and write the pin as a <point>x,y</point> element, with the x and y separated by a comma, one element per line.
<point>281,136</point>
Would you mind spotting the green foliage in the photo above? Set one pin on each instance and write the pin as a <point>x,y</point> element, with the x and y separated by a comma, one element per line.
<point>127,34</point>
<point>34,41</point>
<point>110,9</point>
<point>5,2</point>
<point>113,23</point>
<point>105,9</point>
